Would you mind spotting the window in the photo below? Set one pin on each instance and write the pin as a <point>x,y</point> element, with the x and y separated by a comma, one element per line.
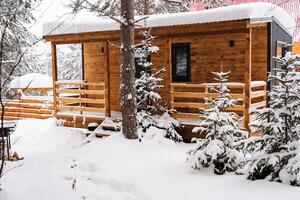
<point>181,69</point>
<point>281,48</point>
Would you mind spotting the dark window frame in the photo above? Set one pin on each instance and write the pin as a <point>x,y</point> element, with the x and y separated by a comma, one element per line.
<point>175,77</point>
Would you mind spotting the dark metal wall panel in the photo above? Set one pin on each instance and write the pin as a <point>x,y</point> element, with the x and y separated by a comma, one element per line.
<point>275,33</point>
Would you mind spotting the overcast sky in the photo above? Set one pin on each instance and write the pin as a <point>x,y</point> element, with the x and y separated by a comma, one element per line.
<point>49,10</point>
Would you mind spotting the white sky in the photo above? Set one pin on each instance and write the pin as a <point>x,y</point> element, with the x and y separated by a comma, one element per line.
<point>50,10</point>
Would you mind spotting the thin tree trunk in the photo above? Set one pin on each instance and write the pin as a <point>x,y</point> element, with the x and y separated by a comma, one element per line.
<point>128,94</point>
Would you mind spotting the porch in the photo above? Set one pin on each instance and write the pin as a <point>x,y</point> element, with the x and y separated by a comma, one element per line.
<point>78,103</point>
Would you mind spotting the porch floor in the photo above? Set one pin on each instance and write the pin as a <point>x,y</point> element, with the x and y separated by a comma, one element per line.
<point>114,114</point>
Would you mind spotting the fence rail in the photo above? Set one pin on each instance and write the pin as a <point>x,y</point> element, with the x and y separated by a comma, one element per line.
<point>187,99</point>
<point>80,96</point>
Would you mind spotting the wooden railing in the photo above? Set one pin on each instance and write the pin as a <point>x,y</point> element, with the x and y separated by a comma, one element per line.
<point>80,96</point>
<point>187,99</point>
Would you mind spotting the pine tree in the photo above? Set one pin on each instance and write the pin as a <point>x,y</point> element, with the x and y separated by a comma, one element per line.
<point>221,129</point>
<point>15,16</point>
<point>151,111</point>
<point>14,38</point>
<point>275,152</point>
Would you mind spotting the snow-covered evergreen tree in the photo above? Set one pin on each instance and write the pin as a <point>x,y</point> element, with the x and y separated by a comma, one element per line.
<point>69,62</point>
<point>221,129</point>
<point>15,38</point>
<point>275,153</point>
<point>151,111</point>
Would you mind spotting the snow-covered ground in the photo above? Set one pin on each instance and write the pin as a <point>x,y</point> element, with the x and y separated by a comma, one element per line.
<point>117,169</point>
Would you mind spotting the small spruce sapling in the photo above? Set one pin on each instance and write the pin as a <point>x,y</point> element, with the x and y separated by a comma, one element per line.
<point>151,111</point>
<point>274,154</point>
<point>221,129</point>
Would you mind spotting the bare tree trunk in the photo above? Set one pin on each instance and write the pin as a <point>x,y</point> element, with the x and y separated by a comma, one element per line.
<point>128,94</point>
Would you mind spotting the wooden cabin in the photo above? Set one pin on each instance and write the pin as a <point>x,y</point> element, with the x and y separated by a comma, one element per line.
<point>242,38</point>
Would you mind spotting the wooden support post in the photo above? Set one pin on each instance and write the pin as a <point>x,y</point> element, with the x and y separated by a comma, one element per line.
<point>171,96</point>
<point>248,61</point>
<point>265,98</point>
<point>54,76</point>
<point>169,69</point>
<point>107,83</point>
<point>206,89</point>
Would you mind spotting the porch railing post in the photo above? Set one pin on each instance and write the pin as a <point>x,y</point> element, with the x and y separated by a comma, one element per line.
<point>248,61</point>
<point>54,75</point>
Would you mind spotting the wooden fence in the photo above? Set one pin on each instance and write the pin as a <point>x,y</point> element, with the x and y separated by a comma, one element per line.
<point>80,96</point>
<point>187,99</point>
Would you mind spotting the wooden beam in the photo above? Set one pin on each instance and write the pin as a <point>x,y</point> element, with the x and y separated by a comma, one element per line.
<point>107,85</point>
<point>84,92</point>
<point>191,30</point>
<point>82,100</point>
<point>187,115</point>
<point>261,104</point>
<point>169,68</point>
<point>248,61</point>
<point>203,95</point>
<point>54,75</point>
<point>80,83</point>
<point>81,109</point>
<point>256,94</point>
<point>189,105</point>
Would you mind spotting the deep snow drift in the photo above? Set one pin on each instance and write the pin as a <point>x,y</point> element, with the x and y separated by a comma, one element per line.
<point>117,169</point>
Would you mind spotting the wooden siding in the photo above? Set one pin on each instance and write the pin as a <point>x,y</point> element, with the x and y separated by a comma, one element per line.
<point>210,47</point>
<point>95,66</point>
<point>259,53</point>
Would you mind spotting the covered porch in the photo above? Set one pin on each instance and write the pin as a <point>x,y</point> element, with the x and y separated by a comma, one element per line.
<point>79,102</point>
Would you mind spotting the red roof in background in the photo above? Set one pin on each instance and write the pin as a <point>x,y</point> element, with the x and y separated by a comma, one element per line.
<point>291,6</point>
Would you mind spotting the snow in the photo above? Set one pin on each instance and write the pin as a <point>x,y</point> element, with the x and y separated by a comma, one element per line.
<point>114,114</point>
<point>253,83</point>
<point>256,12</point>
<point>117,169</point>
<point>32,80</point>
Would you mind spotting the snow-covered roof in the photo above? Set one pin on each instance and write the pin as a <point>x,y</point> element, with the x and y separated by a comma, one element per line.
<point>256,12</point>
<point>32,80</point>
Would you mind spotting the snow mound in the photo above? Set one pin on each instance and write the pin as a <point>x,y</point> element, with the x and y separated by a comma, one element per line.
<point>256,12</point>
<point>115,168</point>
<point>32,80</point>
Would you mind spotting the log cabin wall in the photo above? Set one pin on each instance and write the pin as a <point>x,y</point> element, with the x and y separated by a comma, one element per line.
<point>211,44</point>
<point>95,65</point>
<point>259,53</point>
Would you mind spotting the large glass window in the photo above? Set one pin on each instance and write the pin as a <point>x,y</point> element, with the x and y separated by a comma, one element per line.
<point>181,69</point>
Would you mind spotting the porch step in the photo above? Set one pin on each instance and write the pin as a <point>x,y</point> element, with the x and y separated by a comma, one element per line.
<point>107,127</point>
